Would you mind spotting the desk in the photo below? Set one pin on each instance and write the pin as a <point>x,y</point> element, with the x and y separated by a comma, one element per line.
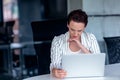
<point>112,72</point>
<point>48,77</point>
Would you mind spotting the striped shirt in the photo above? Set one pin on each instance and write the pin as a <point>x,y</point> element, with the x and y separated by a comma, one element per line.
<point>60,46</point>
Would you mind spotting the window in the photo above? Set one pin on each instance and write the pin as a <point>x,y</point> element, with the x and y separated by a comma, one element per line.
<point>10,10</point>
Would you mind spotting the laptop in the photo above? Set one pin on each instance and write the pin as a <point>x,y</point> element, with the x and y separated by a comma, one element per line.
<point>84,65</point>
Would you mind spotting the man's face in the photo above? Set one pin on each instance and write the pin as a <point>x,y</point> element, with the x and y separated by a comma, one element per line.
<point>76,29</point>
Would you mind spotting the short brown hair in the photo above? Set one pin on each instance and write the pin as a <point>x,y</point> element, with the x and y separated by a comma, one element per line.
<point>78,16</point>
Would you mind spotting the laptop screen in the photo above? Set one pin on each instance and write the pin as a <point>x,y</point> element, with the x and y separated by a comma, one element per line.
<point>84,65</point>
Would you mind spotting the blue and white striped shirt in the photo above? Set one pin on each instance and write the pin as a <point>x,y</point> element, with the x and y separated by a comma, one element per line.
<point>60,47</point>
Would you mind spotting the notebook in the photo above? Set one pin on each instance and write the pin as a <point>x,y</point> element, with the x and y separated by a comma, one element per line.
<point>84,65</point>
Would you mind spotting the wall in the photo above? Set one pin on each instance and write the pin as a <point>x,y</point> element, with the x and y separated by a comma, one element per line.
<point>73,4</point>
<point>107,23</point>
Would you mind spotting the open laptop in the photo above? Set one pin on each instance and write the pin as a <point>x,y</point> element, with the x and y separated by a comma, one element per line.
<point>84,65</point>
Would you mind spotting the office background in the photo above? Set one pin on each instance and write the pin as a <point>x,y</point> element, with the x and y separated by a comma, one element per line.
<point>104,18</point>
<point>103,15</point>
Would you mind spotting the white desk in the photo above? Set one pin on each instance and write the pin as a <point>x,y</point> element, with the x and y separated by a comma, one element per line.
<point>112,72</point>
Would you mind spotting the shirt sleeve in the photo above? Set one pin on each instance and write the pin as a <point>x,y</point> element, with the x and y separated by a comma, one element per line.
<point>94,44</point>
<point>55,53</point>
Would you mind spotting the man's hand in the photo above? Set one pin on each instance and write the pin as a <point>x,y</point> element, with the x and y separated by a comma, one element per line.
<point>58,73</point>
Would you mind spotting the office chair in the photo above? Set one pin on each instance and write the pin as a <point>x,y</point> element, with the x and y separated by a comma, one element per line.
<point>113,49</point>
<point>43,33</point>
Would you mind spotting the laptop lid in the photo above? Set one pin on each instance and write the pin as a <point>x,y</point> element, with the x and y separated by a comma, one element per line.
<point>84,65</point>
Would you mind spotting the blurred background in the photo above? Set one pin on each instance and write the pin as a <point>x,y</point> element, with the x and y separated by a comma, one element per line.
<point>28,26</point>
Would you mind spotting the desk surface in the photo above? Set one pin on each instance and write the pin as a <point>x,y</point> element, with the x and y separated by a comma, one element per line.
<point>48,77</point>
<point>112,72</point>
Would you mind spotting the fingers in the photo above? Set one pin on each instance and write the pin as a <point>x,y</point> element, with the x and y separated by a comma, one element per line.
<point>59,73</point>
<point>74,40</point>
<point>70,40</point>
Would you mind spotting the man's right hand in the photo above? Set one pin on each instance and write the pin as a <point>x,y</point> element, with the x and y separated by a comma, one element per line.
<point>58,73</point>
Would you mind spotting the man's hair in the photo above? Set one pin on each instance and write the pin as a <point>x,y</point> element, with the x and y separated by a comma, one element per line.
<point>78,16</point>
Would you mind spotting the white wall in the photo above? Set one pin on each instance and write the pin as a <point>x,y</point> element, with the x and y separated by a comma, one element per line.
<point>74,4</point>
<point>93,6</point>
<point>106,26</point>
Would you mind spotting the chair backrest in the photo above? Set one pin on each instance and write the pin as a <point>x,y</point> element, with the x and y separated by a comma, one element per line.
<point>44,31</point>
<point>47,29</point>
<point>113,49</point>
